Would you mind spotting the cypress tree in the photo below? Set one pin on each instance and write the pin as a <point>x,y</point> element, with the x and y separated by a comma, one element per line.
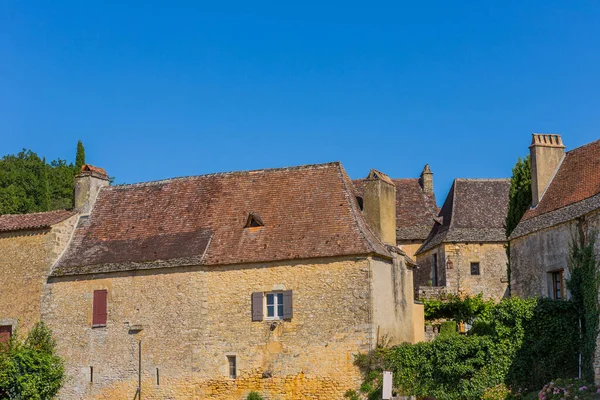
<point>79,157</point>
<point>519,201</point>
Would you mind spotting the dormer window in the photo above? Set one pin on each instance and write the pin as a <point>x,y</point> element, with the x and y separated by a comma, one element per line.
<point>254,221</point>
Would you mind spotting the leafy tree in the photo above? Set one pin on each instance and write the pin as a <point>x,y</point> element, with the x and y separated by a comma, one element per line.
<point>29,184</point>
<point>29,368</point>
<point>79,157</point>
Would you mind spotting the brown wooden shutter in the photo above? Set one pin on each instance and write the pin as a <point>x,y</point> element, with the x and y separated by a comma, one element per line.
<point>257,306</point>
<point>288,305</point>
<point>99,308</point>
<point>5,333</point>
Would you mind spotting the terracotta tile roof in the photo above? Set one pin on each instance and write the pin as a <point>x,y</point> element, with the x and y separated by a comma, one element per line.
<point>308,211</point>
<point>93,169</point>
<point>474,211</point>
<point>40,220</point>
<point>415,209</point>
<point>573,191</point>
<point>577,178</point>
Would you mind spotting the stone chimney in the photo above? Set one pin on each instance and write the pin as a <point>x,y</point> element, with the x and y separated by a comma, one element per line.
<point>426,180</point>
<point>379,205</point>
<point>547,151</point>
<point>87,185</point>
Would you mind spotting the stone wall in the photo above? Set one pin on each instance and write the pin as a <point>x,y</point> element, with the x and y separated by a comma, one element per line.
<point>410,247</point>
<point>535,255</point>
<point>25,263</point>
<point>492,281</point>
<point>194,317</point>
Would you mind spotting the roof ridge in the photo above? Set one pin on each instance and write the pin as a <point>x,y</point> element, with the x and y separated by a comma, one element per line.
<point>36,213</point>
<point>582,146</point>
<point>226,173</point>
<point>482,179</point>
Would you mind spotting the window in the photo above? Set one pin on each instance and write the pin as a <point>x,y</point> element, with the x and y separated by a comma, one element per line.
<point>556,283</point>
<point>434,275</point>
<point>475,268</point>
<point>5,333</point>
<point>272,305</point>
<point>232,367</point>
<point>99,308</point>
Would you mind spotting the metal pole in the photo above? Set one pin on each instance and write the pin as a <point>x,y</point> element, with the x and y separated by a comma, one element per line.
<point>140,369</point>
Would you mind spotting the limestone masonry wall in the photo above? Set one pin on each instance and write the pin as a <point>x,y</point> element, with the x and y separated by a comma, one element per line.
<point>491,281</point>
<point>26,260</point>
<point>193,318</point>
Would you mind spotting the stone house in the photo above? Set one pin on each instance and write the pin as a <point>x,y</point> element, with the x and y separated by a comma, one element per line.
<point>565,201</point>
<point>213,286</point>
<point>465,252</point>
<point>23,274</point>
<point>565,190</point>
<point>416,209</point>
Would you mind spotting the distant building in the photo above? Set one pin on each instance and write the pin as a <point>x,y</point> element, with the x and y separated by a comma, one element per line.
<point>465,253</point>
<point>416,209</point>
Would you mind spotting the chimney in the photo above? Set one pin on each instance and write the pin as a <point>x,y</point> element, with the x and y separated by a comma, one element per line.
<point>426,180</point>
<point>379,205</point>
<point>87,185</point>
<point>547,151</point>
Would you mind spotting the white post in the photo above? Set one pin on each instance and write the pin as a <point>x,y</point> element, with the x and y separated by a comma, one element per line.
<point>386,393</point>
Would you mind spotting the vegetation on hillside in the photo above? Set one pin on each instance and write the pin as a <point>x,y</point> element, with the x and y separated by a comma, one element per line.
<point>30,184</point>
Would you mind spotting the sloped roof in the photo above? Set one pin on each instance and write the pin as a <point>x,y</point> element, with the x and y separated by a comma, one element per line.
<point>308,211</point>
<point>474,211</point>
<point>39,220</point>
<point>415,209</point>
<point>572,192</point>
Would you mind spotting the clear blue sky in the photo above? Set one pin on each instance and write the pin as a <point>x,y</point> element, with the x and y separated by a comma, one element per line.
<point>156,90</point>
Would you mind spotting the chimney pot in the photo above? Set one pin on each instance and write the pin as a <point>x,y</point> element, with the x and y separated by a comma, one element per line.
<point>87,186</point>
<point>379,205</point>
<point>426,180</point>
<point>547,152</point>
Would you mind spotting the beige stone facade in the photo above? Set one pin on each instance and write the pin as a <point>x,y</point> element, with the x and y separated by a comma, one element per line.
<point>25,262</point>
<point>193,318</point>
<point>454,269</point>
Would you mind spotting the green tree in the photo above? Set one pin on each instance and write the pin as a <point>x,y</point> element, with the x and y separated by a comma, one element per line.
<point>29,368</point>
<point>519,201</point>
<point>79,157</point>
<point>23,185</point>
<point>520,194</point>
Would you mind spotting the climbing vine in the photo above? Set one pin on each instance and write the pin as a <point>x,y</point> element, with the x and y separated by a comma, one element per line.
<point>584,285</point>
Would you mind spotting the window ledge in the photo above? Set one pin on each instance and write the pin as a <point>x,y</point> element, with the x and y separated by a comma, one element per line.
<point>99,326</point>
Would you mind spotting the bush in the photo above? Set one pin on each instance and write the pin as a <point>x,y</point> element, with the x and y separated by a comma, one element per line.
<point>517,343</point>
<point>457,309</point>
<point>498,392</point>
<point>254,396</point>
<point>29,369</point>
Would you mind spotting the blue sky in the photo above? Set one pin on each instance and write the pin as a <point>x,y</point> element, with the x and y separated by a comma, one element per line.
<point>157,90</point>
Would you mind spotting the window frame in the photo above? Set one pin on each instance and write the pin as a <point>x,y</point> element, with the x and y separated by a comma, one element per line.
<point>478,268</point>
<point>277,294</point>
<point>232,364</point>
<point>556,278</point>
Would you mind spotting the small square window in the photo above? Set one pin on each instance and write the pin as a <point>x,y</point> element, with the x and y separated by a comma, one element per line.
<point>232,367</point>
<point>475,268</point>
<point>275,305</point>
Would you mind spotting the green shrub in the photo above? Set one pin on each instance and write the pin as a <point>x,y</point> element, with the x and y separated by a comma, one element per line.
<point>457,309</point>
<point>517,343</point>
<point>29,369</point>
<point>447,328</point>
<point>498,392</point>
<point>254,396</point>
